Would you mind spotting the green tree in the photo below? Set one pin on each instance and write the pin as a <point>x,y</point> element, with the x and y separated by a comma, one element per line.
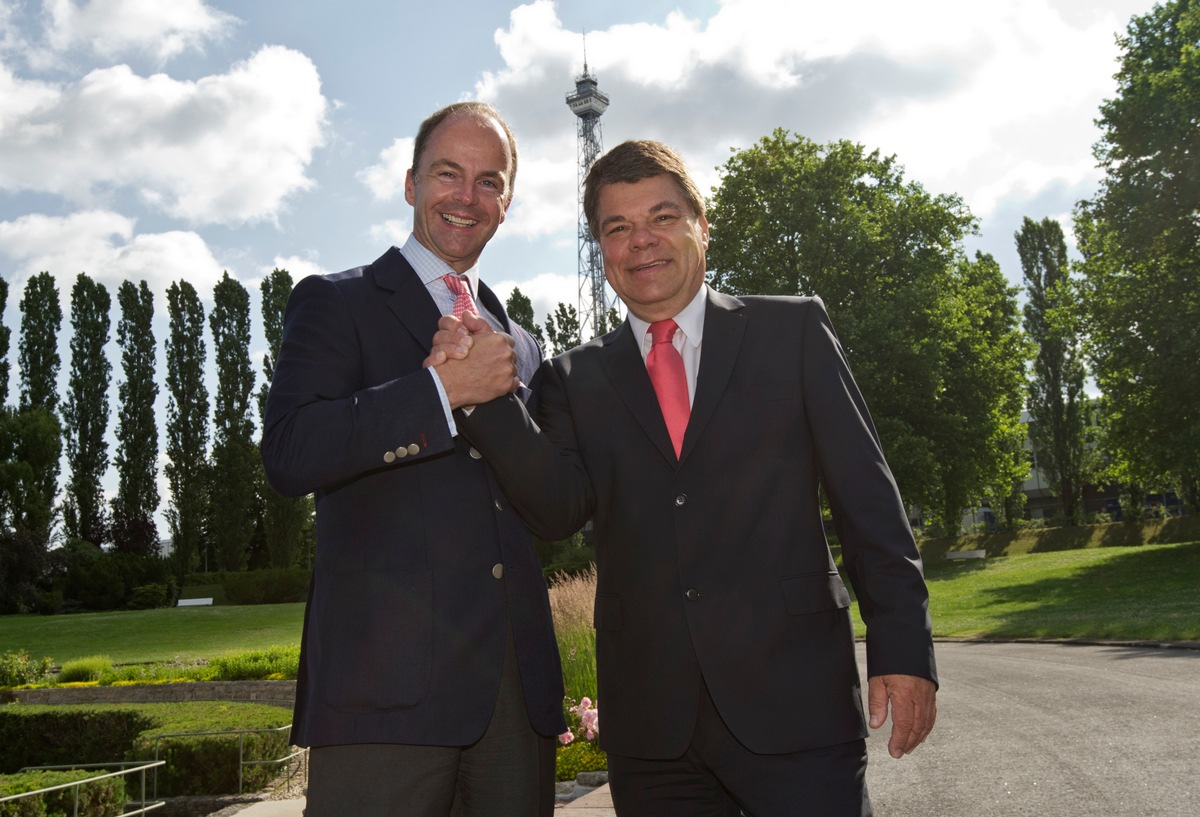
<point>85,413</point>
<point>30,443</point>
<point>235,462</point>
<point>133,527</point>
<point>5,336</point>
<point>187,427</point>
<point>520,310</point>
<point>285,519</point>
<point>41,319</point>
<point>1140,241</point>
<point>1057,404</point>
<point>791,217</point>
<point>562,329</point>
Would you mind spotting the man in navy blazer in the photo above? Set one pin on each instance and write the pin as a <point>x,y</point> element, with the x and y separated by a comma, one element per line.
<point>429,674</point>
<point>725,650</point>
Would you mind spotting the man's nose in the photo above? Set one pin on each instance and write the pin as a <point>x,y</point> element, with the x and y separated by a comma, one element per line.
<point>641,237</point>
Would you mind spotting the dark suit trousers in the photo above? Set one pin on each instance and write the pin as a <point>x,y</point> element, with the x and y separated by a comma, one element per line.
<point>509,772</point>
<point>719,777</point>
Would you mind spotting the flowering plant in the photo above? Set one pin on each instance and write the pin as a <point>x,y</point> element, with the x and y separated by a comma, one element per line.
<point>583,720</point>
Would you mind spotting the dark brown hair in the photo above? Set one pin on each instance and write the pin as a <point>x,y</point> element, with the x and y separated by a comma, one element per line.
<point>631,162</point>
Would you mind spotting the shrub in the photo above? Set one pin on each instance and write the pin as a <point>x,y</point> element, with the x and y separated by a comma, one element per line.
<point>197,764</point>
<point>103,798</point>
<point>17,668</point>
<point>267,586</point>
<point>580,756</point>
<point>273,663</point>
<point>148,597</point>
<point>91,668</point>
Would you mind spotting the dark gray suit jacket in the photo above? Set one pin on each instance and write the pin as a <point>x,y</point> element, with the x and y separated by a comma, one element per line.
<point>716,566</point>
<point>421,562</point>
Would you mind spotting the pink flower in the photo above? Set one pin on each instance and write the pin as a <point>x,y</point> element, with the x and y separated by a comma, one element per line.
<point>566,737</point>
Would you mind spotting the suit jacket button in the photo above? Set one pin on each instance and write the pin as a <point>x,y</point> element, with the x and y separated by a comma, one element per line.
<point>389,457</point>
<point>680,500</point>
<point>498,571</point>
<point>414,449</point>
<point>401,453</point>
<point>692,594</point>
<point>475,455</point>
<point>499,507</point>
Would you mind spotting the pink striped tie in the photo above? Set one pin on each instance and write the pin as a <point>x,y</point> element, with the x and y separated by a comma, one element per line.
<point>665,366</point>
<point>463,302</point>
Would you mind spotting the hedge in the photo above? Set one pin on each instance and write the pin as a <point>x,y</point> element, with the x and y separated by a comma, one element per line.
<point>104,798</point>
<point>33,735</point>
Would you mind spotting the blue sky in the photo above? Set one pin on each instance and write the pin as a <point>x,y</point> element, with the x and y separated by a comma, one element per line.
<point>167,140</point>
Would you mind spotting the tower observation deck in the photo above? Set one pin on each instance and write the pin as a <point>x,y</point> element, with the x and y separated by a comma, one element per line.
<point>595,299</point>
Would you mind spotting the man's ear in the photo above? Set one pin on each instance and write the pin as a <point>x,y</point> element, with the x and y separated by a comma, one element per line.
<point>410,188</point>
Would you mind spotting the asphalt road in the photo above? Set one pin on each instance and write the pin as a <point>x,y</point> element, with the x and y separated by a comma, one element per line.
<point>1053,730</point>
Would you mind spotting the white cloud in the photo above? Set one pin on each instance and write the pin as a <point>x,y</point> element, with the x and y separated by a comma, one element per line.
<point>995,103</point>
<point>105,246</point>
<point>295,265</point>
<point>226,149</point>
<point>386,179</point>
<point>111,28</point>
<point>392,231</point>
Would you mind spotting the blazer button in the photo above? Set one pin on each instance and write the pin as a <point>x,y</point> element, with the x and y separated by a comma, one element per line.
<point>498,571</point>
<point>680,500</point>
<point>499,507</point>
<point>389,457</point>
<point>414,449</point>
<point>401,453</point>
<point>475,455</point>
<point>692,594</point>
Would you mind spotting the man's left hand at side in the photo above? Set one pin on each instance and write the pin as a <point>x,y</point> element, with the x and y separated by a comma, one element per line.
<point>913,702</point>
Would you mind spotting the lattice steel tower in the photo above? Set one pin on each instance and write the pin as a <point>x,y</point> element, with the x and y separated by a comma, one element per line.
<point>588,103</point>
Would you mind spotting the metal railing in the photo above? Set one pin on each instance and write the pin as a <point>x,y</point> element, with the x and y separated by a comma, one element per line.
<point>142,767</point>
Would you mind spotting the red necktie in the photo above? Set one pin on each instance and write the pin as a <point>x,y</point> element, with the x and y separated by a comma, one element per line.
<point>463,302</point>
<point>665,366</point>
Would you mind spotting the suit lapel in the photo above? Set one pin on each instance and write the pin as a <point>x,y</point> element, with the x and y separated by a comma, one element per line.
<point>409,300</point>
<point>626,371</point>
<point>724,327</point>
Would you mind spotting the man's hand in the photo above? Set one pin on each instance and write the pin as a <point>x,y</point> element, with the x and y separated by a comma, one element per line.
<point>474,362</point>
<point>914,709</point>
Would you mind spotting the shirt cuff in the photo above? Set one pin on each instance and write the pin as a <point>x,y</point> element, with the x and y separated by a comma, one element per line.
<point>441,390</point>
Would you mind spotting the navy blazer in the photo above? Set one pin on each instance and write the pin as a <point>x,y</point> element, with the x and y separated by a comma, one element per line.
<point>421,562</point>
<point>714,568</point>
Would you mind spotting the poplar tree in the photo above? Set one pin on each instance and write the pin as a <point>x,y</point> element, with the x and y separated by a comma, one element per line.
<point>41,318</point>
<point>5,335</point>
<point>234,458</point>
<point>520,310</point>
<point>187,427</point>
<point>284,518</point>
<point>133,508</point>
<point>85,413</point>
<point>1057,403</point>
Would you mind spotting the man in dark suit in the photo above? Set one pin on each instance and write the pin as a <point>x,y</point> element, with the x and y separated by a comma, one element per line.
<point>727,678</point>
<point>429,674</point>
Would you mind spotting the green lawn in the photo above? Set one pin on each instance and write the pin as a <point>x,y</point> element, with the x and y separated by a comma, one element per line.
<point>138,636</point>
<point>1151,592</point>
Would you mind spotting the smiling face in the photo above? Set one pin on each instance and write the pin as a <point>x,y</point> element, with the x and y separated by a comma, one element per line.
<point>653,245</point>
<point>461,190</point>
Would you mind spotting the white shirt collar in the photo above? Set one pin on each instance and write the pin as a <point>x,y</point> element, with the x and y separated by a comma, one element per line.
<point>690,320</point>
<point>431,268</point>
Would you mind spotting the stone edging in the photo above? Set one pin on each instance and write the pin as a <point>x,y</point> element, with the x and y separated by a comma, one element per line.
<point>276,693</point>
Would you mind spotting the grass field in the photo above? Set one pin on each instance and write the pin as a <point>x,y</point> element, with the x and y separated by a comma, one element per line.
<point>138,636</point>
<point>1151,592</point>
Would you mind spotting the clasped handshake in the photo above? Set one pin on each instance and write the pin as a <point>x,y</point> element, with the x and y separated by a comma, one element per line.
<point>474,362</point>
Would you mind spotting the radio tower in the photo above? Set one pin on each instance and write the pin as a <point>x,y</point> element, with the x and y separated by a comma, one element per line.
<point>588,103</point>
